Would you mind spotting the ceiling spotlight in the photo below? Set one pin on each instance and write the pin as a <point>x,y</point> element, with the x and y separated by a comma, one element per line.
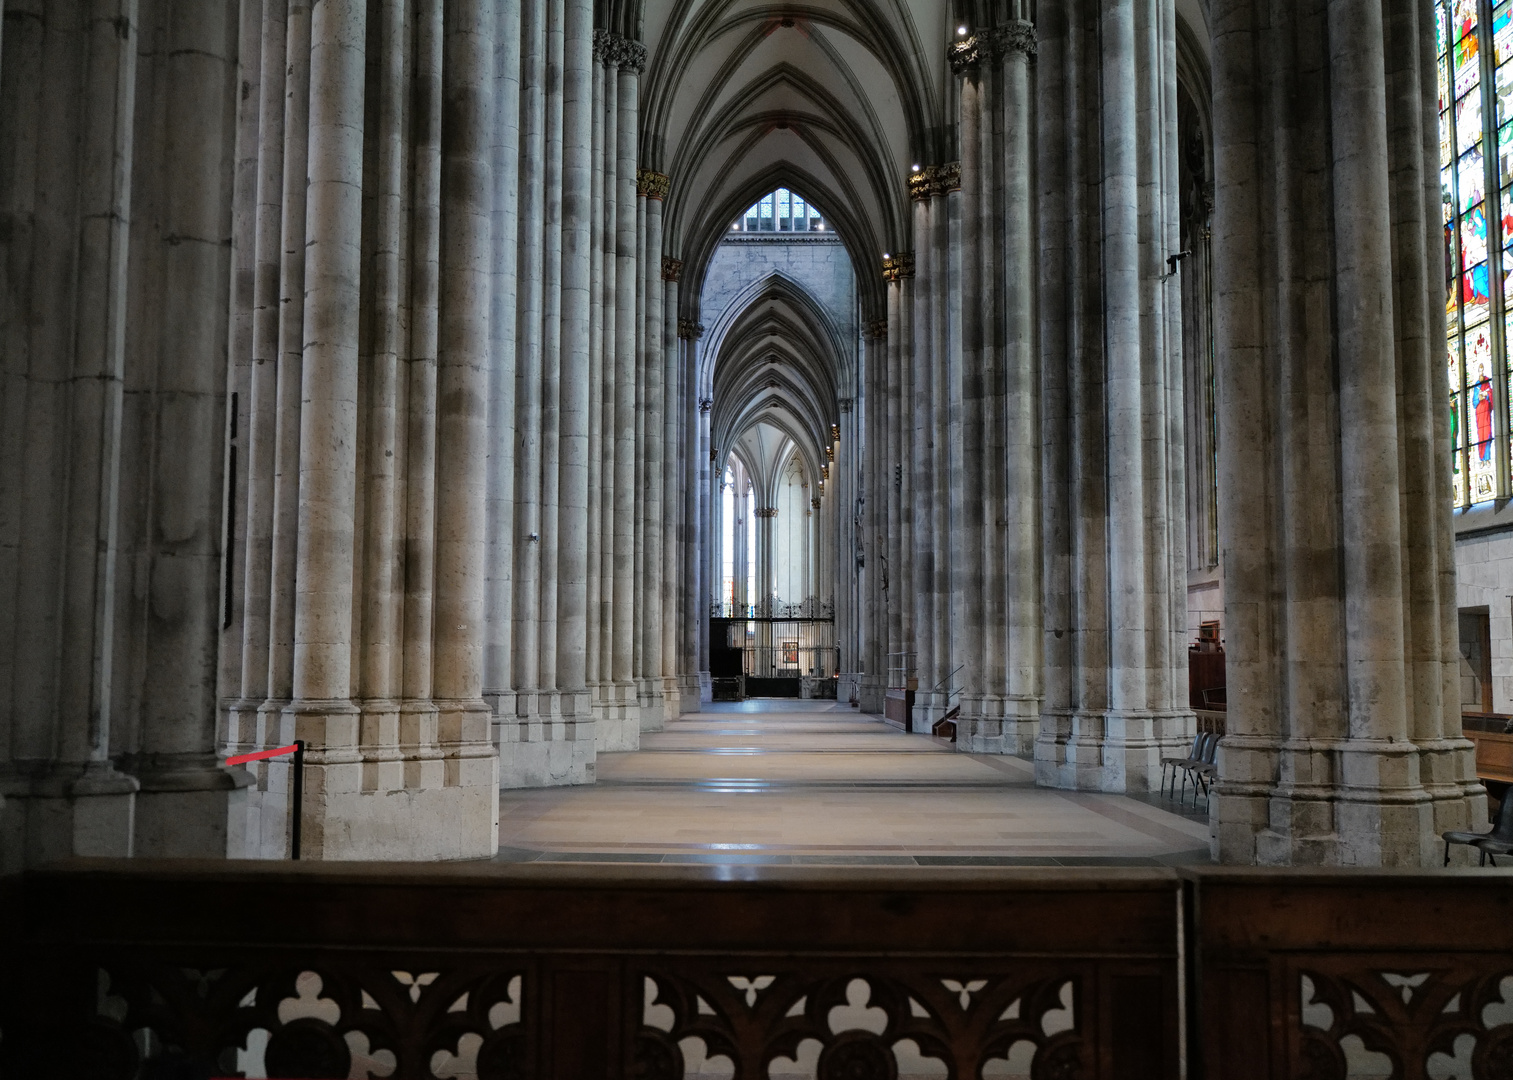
<point>887,254</point>
<point>962,31</point>
<point>916,168</point>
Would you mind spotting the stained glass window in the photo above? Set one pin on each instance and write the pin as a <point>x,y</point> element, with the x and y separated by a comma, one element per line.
<point>780,211</point>
<point>1475,82</point>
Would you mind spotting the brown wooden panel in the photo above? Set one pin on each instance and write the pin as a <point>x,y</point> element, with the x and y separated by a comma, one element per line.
<point>1494,754</point>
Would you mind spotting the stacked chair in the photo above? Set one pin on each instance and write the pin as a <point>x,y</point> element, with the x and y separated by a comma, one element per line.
<point>1198,766</point>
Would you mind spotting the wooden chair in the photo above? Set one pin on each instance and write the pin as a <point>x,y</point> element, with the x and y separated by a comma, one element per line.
<point>1499,841</point>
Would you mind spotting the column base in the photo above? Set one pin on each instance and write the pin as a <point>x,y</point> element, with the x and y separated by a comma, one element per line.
<point>848,688</point>
<point>706,687</point>
<point>549,742</point>
<point>192,807</point>
<point>431,794</point>
<point>1341,802</point>
<point>871,695</point>
<point>67,810</point>
<point>996,725</point>
<point>1109,751</point>
<point>652,704</point>
<point>672,697</point>
<point>617,714</point>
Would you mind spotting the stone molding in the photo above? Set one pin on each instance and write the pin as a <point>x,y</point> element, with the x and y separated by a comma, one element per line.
<point>689,330</point>
<point>992,46</point>
<point>617,50</point>
<point>898,267</point>
<point>672,269</point>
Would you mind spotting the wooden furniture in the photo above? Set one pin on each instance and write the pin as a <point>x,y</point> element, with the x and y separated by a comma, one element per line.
<point>561,972</point>
<point>1494,745</point>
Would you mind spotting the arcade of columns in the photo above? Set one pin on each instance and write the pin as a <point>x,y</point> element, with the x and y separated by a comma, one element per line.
<point>441,507</point>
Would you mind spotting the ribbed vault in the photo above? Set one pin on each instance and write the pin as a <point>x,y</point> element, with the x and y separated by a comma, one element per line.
<point>774,357</point>
<point>834,99</point>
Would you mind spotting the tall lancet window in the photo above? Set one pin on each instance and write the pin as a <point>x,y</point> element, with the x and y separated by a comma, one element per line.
<point>1475,43</point>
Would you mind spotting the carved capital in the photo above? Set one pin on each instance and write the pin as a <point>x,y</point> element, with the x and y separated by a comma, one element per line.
<point>922,182</point>
<point>705,404</point>
<point>964,54</point>
<point>845,404</point>
<point>900,266</point>
<point>672,269</point>
<point>1016,37</point>
<point>877,328</point>
<point>950,177</point>
<point>620,51</point>
<point>601,45</point>
<point>766,511</point>
<point>689,330</point>
<point>815,502</point>
<point>653,185</point>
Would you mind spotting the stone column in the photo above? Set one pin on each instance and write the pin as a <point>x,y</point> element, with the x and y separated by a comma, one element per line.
<point>704,472</point>
<point>189,805</point>
<point>967,515</point>
<point>461,818</point>
<point>520,743</point>
<point>654,450</point>
<point>498,665</point>
<point>262,408</point>
<point>1020,410</point>
<point>892,455</point>
<point>418,713</point>
<point>573,490</point>
<point>597,176</point>
<point>548,704</point>
<point>1334,533</point>
<point>322,709</point>
<point>85,806</point>
<point>631,58</point>
<point>609,291</point>
<point>1110,387</point>
<point>874,521</point>
<point>274,728</point>
<point>677,498</point>
<point>922,462</point>
<point>381,665</point>
<point>944,180</point>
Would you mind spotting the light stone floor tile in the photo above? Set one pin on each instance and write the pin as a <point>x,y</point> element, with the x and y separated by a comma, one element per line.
<point>803,783</point>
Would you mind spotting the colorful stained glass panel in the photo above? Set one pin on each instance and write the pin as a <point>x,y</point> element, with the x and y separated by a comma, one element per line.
<point>1502,32</point>
<point>1470,181</point>
<point>1467,122</point>
<point>1467,66</point>
<point>1474,296</point>
<point>1473,236</point>
<point>1465,17</point>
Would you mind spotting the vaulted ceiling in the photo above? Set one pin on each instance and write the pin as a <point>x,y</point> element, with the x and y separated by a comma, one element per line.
<point>835,99</point>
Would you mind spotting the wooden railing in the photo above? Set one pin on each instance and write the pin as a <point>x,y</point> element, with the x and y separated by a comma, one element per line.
<point>138,970</point>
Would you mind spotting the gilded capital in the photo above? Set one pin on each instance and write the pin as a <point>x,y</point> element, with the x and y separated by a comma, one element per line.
<point>653,185</point>
<point>900,266</point>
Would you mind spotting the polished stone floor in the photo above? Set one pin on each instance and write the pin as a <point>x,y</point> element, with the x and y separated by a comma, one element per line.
<point>785,782</point>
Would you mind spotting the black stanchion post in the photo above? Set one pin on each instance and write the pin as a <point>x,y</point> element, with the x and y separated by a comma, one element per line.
<point>297,808</point>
